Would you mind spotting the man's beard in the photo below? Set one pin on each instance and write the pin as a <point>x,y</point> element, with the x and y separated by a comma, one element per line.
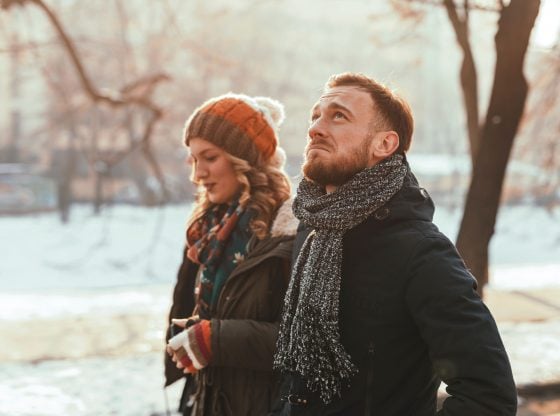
<point>338,170</point>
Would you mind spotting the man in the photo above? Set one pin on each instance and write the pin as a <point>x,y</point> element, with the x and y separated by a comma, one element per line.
<point>381,307</point>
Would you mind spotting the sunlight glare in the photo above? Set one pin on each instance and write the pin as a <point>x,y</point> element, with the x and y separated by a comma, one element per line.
<point>547,28</point>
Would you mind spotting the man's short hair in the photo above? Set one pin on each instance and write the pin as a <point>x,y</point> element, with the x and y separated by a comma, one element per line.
<point>394,113</point>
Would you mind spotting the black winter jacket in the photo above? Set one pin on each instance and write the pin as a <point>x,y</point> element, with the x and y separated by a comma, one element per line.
<point>409,318</point>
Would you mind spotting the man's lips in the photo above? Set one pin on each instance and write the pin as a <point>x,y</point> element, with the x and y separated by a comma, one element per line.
<point>209,186</point>
<point>318,147</point>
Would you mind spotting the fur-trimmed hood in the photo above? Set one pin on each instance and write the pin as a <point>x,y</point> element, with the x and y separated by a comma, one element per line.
<point>285,224</point>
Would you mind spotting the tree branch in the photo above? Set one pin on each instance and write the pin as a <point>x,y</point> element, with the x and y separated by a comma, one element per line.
<point>469,79</point>
<point>114,98</point>
<point>135,93</point>
<point>477,7</point>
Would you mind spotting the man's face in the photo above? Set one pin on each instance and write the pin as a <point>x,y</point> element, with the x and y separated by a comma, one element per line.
<point>339,136</point>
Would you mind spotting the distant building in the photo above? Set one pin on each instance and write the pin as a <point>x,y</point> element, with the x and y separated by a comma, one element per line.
<point>24,191</point>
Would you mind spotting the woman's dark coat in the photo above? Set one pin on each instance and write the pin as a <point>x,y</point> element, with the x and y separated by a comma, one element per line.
<point>410,317</point>
<point>239,380</point>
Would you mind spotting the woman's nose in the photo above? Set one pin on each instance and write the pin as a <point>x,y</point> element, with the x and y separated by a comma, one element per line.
<point>199,172</point>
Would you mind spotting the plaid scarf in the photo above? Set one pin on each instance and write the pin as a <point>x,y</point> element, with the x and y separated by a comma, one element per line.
<point>309,340</point>
<point>217,241</point>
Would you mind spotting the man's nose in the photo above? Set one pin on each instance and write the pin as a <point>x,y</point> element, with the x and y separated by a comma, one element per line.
<point>317,129</point>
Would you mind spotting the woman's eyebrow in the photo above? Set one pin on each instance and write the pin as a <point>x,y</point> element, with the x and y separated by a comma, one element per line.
<point>202,153</point>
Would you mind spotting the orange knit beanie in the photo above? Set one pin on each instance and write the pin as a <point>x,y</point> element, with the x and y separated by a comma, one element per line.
<point>245,127</point>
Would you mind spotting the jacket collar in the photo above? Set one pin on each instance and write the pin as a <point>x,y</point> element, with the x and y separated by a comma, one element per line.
<point>278,244</point>
<point>411,202</point>
<point>285,224</point>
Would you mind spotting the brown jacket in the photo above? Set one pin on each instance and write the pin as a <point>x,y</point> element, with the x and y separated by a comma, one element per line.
<point>239,380</point>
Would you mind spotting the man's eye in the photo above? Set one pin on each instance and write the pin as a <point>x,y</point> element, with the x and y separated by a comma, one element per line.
<point>338,114</point>
<point>313,118</point>
<point>211,158</point>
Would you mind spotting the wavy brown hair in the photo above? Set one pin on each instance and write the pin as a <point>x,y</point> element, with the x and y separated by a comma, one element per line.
<point>264,188</point>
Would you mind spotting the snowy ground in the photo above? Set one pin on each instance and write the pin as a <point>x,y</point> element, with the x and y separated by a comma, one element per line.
<point>82,306</point>
<point>130,383</point>
<point>126,386</point>
<point>130,246</point>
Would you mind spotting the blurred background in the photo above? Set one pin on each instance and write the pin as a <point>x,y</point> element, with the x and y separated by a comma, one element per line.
<point>95,190</point>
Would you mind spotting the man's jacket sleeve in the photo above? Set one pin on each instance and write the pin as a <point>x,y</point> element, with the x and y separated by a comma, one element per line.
<point>463,340</point>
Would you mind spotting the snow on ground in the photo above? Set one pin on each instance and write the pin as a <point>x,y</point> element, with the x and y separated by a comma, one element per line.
<point>131,384</point>
<point>99,386</point>
<point>96,292</point>
<point>52,303</point>
<point>525,249</point>
<point>533,350</point>
<point>131,246</point>
<point>110,262</point>
<point>124,246</point>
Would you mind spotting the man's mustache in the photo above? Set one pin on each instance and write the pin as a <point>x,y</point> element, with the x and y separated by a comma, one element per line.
<point>321,143</point>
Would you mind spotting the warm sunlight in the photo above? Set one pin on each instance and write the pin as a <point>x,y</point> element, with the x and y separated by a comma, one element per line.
<point>168,246</point>
<point>547,28</point>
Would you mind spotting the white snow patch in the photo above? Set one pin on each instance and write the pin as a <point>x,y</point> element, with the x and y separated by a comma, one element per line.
<point>124,386</point>
<point>56,303</point>
<point>133,248</point>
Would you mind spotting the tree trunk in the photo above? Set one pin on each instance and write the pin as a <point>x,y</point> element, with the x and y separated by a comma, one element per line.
<point>505,109</point>
<point>469,80</point>
<point>98,196</point>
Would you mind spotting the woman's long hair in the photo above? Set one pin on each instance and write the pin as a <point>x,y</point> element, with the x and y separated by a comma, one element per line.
<point>264,188</point>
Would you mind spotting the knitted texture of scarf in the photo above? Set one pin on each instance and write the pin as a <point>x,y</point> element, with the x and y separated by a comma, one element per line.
<point>217,241</point>
<point>309,340</point>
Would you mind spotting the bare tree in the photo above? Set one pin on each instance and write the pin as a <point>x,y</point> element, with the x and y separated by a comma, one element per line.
<point>135,95</point>
<point>505,109</point>
<point>468,75</point>
<point>490,140</point>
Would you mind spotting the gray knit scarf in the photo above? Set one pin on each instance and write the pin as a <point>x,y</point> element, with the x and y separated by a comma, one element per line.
<point>309,340</point>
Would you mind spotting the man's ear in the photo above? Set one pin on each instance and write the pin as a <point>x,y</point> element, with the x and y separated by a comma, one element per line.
<point>384,144</point>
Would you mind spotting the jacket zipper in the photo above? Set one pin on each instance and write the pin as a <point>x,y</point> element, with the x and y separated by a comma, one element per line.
<point>369,379</point>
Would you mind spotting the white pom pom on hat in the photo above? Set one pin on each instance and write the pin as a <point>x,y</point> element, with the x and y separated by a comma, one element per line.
<point>271,109</point>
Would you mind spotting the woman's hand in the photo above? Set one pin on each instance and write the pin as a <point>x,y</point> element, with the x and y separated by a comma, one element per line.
<point>186,322</point>
<point>191,349</point>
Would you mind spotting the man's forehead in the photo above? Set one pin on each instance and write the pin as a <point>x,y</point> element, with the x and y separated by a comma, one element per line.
<point>343,90</point>
<point>330,94</point>
<point>342,93</point>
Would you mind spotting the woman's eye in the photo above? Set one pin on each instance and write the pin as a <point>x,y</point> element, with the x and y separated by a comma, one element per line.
<point>211,158</point>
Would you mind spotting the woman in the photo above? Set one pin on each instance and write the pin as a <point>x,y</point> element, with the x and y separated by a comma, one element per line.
<point>237,259</point>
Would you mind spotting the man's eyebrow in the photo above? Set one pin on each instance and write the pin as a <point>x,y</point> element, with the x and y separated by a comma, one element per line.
<point>338,106</point>
<point>332,105</point>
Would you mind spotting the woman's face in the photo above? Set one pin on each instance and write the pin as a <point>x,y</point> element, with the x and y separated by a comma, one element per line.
<point>214,171</point>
